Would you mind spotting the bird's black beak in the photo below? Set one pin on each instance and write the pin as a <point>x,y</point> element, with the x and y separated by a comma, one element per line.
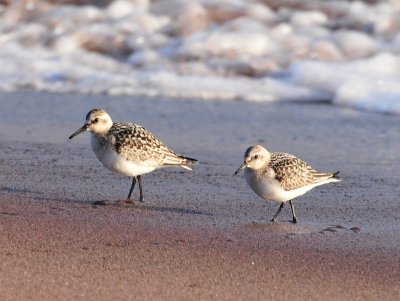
<point>84,128</point>
<point>240,168</point>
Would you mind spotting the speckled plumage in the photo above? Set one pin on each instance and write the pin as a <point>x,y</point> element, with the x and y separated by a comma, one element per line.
<point>280,177</point>
<point>127,148</point>
<point>135,143</point>
<point>293,173</point>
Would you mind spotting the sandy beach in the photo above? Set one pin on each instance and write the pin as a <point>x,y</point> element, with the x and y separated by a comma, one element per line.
<point>200,235</point>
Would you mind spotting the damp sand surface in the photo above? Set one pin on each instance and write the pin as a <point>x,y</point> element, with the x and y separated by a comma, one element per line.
<point>67,234</point>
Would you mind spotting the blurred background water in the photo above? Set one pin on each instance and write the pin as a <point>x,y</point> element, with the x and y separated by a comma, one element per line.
<point>339,52</point>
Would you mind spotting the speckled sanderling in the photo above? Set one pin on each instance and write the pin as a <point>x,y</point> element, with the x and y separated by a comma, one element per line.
<point>128,148</point>
<point>281,177</point>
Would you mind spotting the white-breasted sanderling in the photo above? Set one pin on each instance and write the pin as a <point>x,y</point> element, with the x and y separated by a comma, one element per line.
<point>128,148</point>
<point>281,177</point>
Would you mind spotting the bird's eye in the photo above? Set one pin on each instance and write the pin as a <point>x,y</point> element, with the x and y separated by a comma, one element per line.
<point>96,120</point>
<point>256,157</point>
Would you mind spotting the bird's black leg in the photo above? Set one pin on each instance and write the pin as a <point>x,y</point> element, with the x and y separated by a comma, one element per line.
<point>140,188</point>
<point>132,186</point>
<point>294,221</point>
<point>279,211</point>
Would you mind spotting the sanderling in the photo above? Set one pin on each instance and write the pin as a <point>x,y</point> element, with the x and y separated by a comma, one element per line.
<point>128,148</point>
<point>281,177</point>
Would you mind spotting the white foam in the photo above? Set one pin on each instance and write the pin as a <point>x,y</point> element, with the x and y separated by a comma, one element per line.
<point>369,84</point>
<point>354,44</point>
<point>347,53</point>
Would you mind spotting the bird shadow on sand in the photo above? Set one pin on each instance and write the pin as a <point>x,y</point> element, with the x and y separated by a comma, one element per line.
<point>129,205</point>
<point>176,210</point>
<point>289,228</point>
<point>147,207</point>
<point>14,190</point>
<point>283,228</point>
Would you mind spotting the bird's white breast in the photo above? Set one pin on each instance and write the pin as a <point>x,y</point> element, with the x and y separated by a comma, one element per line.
<point>266,187</point>
<point>115,162</point>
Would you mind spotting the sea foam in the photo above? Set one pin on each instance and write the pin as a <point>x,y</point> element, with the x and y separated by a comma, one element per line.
<point>344,53</point>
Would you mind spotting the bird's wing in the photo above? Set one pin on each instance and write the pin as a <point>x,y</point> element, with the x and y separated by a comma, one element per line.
<point>135,143</point>
<point>293,173</point>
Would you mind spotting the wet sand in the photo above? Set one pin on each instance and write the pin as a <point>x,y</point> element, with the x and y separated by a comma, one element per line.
<point>201,235</point>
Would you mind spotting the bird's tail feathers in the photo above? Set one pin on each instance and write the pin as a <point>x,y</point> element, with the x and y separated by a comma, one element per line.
<point>335,176</point>
<point>181,161</point>
<point>188,162</point>
<point>327,176</point>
